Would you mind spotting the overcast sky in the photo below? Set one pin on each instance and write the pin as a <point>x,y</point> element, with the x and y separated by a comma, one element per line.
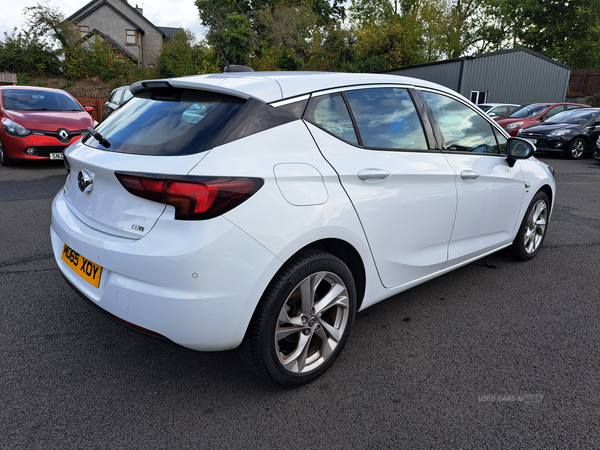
<point>172,13</point>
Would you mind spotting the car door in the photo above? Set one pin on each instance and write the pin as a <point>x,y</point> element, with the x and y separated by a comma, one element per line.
<point>490,192</point>
<point>592,131</point>
<point>403,190</point>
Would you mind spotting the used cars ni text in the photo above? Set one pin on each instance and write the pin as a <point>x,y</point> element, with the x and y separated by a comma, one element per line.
<point>263,210</point>
<point>533,113</point>
<point>39,123</point>
<point>570,133</point>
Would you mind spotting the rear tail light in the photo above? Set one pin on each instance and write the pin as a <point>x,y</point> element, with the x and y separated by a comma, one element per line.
<point>194,198</point>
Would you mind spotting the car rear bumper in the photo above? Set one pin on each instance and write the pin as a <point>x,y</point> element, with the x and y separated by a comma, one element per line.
<point>199,292</point>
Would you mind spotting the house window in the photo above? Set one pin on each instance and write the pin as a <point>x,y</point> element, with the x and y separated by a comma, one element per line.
<point>131,37</point>
<point>83,30</point>
<point>478,97</point>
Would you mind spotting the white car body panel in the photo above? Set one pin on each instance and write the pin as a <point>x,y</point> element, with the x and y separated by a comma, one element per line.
<point>478,227</point>
<point>198,282</point>
<point>421,185</point>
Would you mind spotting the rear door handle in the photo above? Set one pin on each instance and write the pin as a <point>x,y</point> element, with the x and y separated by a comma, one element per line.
<point>373,175</point>
<point>469,175</point>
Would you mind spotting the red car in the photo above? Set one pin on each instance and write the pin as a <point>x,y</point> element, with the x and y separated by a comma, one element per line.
<point>533,113</point>
<point>39,123</point>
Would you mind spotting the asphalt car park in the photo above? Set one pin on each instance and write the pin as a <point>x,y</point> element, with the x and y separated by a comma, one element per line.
<point>497,354</point>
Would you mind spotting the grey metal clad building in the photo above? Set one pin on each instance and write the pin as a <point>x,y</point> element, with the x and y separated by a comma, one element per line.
<point>518,75</point>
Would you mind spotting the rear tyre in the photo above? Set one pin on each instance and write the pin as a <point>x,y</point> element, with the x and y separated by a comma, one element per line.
<point>576,149</point>
<point>532,232</point>
<point>303,320</point>
<point>4,159</point>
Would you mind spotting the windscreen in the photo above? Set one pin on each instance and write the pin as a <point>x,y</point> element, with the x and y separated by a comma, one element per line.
<point>34,100</point>
<point>528,111</point>
<point>573,117</point>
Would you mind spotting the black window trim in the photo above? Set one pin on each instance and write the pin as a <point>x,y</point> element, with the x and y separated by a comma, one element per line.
<point>430,138</point>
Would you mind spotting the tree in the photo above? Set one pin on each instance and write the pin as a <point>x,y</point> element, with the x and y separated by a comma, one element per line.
<point>23,53</point>
<point>48,23</point>
<point>182,57</point>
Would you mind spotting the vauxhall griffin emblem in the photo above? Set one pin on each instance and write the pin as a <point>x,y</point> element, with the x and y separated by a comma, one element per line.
<point>85,180</point>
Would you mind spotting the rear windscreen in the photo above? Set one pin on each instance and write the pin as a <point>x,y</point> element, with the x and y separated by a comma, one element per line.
<point>165,122</point>
<point>173,122</point>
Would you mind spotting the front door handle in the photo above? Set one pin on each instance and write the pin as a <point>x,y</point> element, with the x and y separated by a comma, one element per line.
<point>373,175</point>
<point>469,175</point>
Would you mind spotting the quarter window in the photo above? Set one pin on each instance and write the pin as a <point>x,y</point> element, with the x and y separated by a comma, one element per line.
<point>463,129</point>
<point>330,113</point>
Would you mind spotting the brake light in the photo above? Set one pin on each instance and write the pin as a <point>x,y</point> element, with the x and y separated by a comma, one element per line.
<point>194,198</point>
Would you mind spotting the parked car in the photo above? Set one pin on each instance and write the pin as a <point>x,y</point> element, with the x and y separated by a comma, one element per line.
<point>263,210</point>
<point>596,153</point>
<point>39,123</point>
<point>533,113</point>
<point>570,133</point>
<point>498,109</point>
<point>116,99</point>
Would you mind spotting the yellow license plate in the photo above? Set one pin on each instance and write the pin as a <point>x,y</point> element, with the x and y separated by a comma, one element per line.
<point>82,266</point>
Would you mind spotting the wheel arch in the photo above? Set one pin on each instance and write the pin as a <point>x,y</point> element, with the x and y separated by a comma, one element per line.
<point>349,255</point>
<point>546,189</point>
<point>340,249</point>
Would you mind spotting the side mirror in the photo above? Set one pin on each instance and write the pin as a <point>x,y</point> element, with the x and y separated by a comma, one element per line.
<point>89,109</point>
<point>517,148</point>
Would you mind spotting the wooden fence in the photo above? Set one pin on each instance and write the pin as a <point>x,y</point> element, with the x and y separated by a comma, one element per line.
<point>585,82</point>
<point>97,103</point>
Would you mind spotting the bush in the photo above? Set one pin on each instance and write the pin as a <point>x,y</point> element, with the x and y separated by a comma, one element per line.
<point>594,100</point>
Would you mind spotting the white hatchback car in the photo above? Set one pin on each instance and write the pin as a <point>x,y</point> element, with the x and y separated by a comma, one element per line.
<point>265,209</point>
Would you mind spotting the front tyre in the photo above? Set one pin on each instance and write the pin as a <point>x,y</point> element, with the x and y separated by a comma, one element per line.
<point>4,159</point>
<point>533,228</point>
<point>303,320</point>
<point>576,149</point>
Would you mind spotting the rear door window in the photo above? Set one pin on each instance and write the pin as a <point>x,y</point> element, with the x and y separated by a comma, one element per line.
<point>387,119</point>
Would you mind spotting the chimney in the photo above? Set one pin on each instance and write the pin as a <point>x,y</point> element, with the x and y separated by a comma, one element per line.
<point>138,9</point>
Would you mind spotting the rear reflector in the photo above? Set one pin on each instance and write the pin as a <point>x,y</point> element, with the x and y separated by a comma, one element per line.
<point>194,198</point>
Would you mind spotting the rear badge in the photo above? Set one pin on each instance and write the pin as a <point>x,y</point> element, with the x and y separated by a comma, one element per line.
<point>137,228</point>
<point>85,180</point>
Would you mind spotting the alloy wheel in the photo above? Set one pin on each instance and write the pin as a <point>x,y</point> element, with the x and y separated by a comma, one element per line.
<point>536,226</point>
<point>577,149</point>
<point>312,322</point>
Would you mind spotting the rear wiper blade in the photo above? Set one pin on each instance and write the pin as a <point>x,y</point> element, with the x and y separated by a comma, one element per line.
<point>98,137</point>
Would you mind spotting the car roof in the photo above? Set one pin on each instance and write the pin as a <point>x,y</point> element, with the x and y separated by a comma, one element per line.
<point>273,86</point>
<point>497,104</point>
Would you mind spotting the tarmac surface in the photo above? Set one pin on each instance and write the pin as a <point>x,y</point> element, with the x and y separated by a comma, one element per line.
<point>497,354</point>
